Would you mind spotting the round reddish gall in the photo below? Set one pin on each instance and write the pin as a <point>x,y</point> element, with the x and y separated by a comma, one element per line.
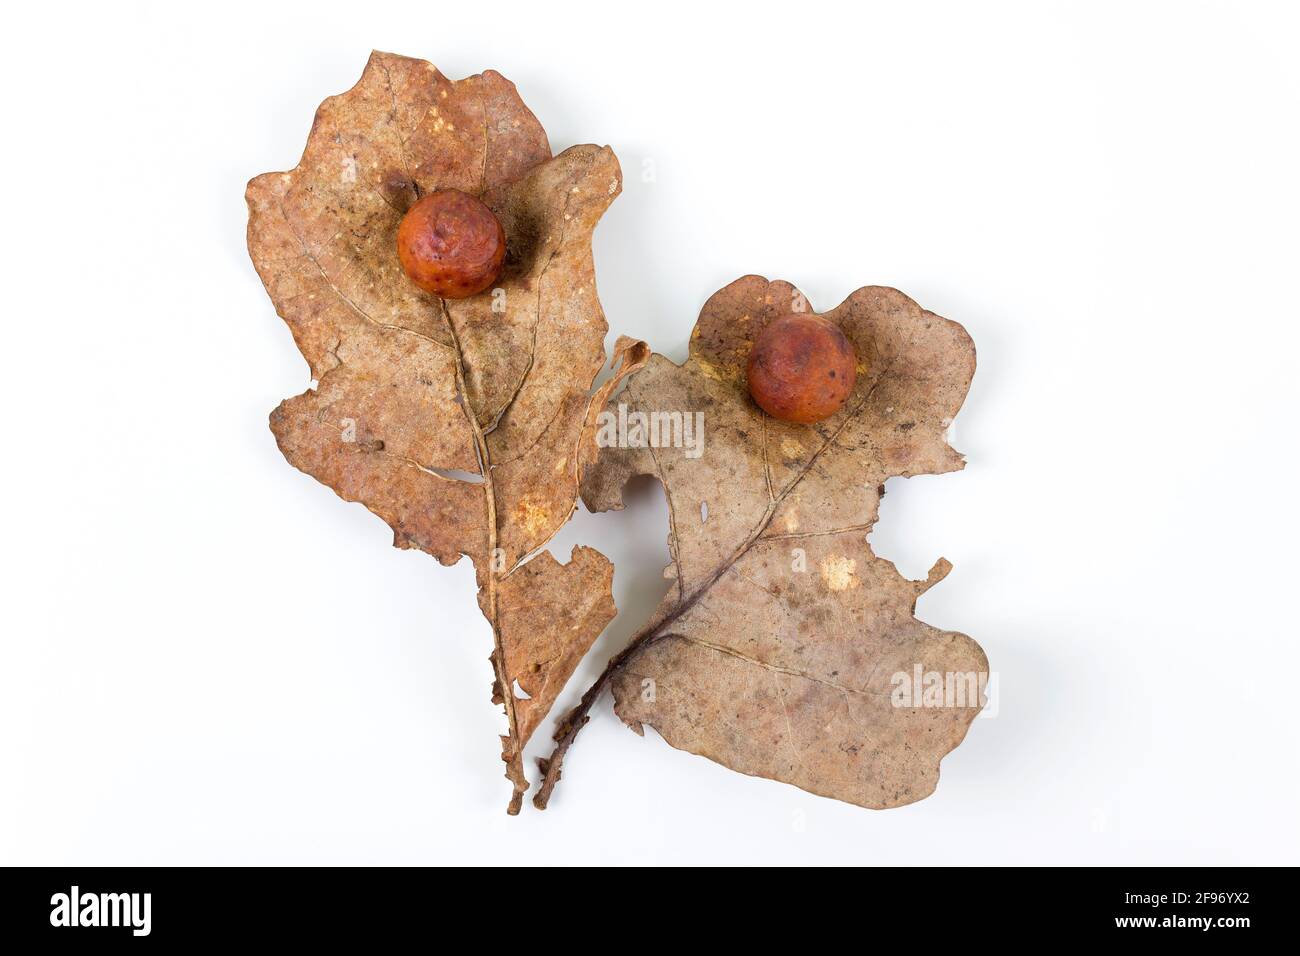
<point>802,368</point>
<point>451,244</point>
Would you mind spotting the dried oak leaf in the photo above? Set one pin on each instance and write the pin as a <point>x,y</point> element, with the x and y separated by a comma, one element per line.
<point>460,423</point>
<point>774,651</point>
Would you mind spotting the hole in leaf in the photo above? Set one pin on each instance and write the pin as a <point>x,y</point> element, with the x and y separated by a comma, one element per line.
<point>455,474</point>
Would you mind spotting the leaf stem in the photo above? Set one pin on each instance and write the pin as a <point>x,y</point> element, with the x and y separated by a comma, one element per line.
<point>578,717</point>
<point>512,752</point>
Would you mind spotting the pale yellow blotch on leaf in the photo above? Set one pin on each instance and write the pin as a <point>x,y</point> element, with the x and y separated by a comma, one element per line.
<point>532,513</point>
<point>838,573</point>
<point>708,370</point>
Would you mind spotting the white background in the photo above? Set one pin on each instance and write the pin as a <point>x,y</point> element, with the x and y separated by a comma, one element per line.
<point>207,657</point>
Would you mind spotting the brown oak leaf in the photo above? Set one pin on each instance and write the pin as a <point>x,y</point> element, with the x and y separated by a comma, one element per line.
<point>779,647</point>
<point>460,423</point>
